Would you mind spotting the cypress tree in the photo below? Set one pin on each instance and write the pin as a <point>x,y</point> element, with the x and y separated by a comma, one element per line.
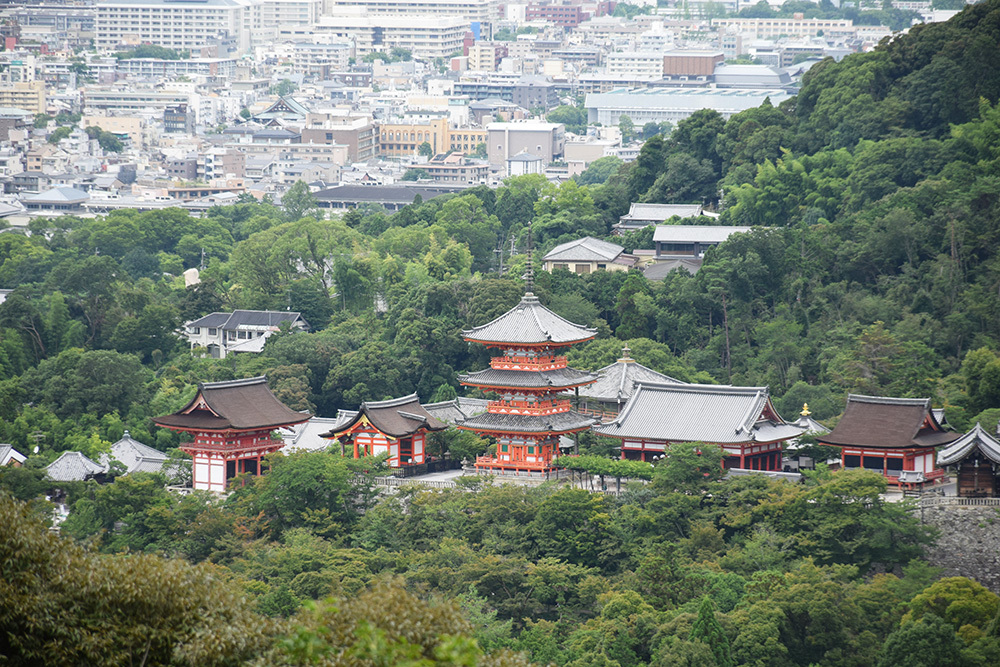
<point>708,630</point>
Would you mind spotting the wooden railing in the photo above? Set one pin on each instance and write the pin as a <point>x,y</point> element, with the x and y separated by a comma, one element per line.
<point>493,462</point>
<point>955,501</point>
<point>396,482</point>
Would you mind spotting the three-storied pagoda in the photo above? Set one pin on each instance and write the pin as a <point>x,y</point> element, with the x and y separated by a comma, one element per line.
<point>231,423</point>
<point>529,416</point>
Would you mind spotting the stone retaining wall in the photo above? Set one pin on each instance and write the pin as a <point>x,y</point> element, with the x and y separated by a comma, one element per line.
<point>969,545</point>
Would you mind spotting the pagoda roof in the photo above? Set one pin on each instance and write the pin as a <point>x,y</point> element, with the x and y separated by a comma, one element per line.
<point>888,423</point>
<point>246,404</point>
<point>976,439</point>
<point>699,413</point>
<point>560,422</point>
<point>396,418</point>
<point>616,382</point>
<point>559,378</point>
<point>529,323</point>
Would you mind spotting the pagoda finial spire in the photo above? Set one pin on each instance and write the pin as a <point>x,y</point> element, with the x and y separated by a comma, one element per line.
<point>626,356</point>
<point>805,410</point>
<point>529,276</point>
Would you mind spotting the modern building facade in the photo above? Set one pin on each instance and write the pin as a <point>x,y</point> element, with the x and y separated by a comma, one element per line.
<point>181,25</point>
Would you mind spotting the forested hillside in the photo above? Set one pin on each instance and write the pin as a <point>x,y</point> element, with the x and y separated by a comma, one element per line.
<point>872,267</point>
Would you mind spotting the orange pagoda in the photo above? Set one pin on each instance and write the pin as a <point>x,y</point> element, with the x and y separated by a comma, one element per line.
<point>231,423</point>
<point>529,416</point>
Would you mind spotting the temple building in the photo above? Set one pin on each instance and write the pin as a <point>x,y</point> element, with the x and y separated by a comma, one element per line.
<point>895,437</point>
<point>605,398</point>
<point>231,423</point>
<point>396,427</point>
<point>528,375</point>
<point>740,420</point>
<point>976,457</point>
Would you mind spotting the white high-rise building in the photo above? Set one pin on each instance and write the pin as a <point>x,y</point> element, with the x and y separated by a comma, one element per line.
<point>483,11</point>
<point>181,25</point>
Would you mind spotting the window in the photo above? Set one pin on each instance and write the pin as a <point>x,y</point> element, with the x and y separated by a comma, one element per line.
<point>503,448</point>
<point>196,330</point>
<point>583,268</point>
<point>213,332</point>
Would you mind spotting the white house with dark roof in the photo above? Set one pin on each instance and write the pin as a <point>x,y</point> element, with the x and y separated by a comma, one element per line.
<point>588,255</point>
<point>239,331</point>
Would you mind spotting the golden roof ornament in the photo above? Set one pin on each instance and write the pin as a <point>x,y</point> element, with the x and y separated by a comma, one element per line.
<point>805,410</point>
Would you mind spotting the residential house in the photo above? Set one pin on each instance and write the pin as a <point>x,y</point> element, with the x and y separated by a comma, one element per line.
<point>588,255</point>
<point>239,331</point>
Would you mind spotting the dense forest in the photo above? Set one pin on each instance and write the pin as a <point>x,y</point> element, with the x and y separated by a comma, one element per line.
<point>872,267</point>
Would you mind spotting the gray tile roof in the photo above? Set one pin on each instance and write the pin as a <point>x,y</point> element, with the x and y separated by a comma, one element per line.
<point>694,233</point>
<point>662,268</point>
<point>561,422</point>
<point>306,436</point>
<point>458,409</point>
<point>135,456</point>
<point>661,212</point>
<point>699,413</point>
<point>587,249</point>
<point>617,382</point>
<point>554,379</point>
<point>977,438</point>
<point>8,454</point>
<point>529,322</point>
<point>245,318</point>
<point>73,467</point>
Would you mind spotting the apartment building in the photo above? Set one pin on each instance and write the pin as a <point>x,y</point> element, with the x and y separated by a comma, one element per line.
<point>132,99</point>
<point>25,95</point>
<point>796,27</point>
<point>290,12</point>
<point>321,60</point>
<point>564,16</point>
<point>122,126</point>
<point>647,64</point>
<point>357,133</point>
<point>471,11</point>
<point>176,24</point>
<point>149,68</point>
<point>454,169</point>
<point>424,37</point>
